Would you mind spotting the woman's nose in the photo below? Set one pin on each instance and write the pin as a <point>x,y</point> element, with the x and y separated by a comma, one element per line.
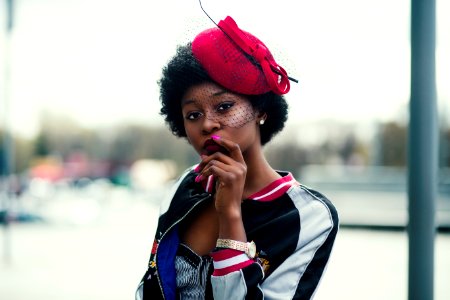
<point>210,124</point>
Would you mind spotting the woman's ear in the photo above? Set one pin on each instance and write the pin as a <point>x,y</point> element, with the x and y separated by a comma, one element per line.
<point>262,116</point>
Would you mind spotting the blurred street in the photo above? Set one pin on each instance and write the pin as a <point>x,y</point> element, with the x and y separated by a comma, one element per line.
<point>102,254</point>
<point>102,259</point>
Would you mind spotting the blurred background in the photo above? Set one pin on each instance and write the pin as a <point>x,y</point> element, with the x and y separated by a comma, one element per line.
<point>86,157</point>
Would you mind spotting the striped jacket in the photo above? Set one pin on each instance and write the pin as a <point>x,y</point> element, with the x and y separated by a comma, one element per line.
<point>293,227</point>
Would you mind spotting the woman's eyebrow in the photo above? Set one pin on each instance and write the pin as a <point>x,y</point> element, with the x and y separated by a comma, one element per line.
<point>219,93</point>
<point>216,94</point>
<point>187,101</point>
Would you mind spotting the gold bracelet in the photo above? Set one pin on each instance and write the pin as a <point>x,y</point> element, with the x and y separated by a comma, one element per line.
<point>248,248</point>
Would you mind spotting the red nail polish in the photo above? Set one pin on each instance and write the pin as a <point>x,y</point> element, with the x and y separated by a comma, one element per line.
<point>199,178</point>
<point>197,168</point>
<point>215,137</point>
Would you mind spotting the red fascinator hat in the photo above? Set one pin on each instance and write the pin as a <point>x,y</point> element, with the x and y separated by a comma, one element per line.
<point>238,60</point>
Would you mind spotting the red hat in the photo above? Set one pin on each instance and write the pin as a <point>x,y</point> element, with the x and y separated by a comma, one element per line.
<point>222,52</point>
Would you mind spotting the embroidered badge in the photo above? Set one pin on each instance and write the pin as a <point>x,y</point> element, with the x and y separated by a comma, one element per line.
<point>263,262</point>
<point>154,247</point>
<point>152,262</point>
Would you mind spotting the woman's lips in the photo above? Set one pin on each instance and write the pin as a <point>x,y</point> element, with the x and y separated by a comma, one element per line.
<point>211,147</point>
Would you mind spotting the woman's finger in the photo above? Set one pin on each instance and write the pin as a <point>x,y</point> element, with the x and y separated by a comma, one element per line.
<point>217,164</point>
<point>232,147</point>
<point>218,156</point>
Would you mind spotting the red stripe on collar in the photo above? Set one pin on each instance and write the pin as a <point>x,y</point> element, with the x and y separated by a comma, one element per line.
<point>275,189</point>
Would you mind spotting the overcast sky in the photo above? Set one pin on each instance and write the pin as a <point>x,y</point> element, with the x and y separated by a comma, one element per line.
<point>97,61</point>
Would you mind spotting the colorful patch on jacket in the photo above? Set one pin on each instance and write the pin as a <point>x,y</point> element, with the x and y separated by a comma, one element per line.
<point>262,260</point>
<point>152,262</point>
<point>154,247</point>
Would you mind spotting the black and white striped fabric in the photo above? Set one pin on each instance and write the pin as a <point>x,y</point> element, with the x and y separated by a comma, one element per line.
<point>192,273</point>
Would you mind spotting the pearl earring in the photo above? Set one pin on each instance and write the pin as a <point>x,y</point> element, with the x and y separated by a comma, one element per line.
<point>261,122</point>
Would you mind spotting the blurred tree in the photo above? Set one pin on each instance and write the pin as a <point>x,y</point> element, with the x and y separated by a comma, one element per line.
<point>2,154</point>
<point>122,145</point>
<point>286,156</point>
<point>22,153</point>
<point>393,144</point>
<point>352,151</point>
<point>61,136</point>
<point>444,148</point>
<point>348,147</point>
<point>135,142</point>
<point>42,146</point>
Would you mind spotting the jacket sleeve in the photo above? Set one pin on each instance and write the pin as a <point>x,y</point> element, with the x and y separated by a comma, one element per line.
<point>235,276</point>
<point>297,277</point>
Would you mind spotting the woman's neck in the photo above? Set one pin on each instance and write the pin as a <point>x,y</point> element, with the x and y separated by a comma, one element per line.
<point>259,172</point>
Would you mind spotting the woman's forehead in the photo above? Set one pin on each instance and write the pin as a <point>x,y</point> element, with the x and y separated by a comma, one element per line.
<point>207,93</point>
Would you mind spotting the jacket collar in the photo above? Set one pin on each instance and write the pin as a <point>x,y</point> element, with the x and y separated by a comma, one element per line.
<point>275,189</point>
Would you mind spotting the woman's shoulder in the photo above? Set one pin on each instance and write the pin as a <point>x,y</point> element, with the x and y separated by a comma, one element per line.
<point>314,205</point>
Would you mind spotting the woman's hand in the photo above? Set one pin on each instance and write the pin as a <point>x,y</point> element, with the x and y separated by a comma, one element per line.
<point>229,172</point>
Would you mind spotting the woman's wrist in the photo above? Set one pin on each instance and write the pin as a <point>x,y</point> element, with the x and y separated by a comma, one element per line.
<point>229,212</point>
<point>231,226</point>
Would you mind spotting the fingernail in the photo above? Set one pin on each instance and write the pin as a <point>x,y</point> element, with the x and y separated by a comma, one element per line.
<point>215,137</point>
<point>209,184</point>
<point>197,168</point>
<point>199,178</point>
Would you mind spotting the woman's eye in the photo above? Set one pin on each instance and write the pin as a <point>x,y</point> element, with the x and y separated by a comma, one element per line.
<point>222,107</point>
<point>193,115</point>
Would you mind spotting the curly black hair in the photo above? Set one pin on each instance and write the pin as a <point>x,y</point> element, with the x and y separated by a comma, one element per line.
<point>184,71</point>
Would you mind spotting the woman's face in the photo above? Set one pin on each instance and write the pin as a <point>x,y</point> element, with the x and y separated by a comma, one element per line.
<point>208,109</point>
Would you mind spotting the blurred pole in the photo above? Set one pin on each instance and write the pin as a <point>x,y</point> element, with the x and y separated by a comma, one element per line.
<point>7,134</point>
<point>423,148</point>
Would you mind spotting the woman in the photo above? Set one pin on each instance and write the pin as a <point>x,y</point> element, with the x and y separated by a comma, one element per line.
<point>233,227</point>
